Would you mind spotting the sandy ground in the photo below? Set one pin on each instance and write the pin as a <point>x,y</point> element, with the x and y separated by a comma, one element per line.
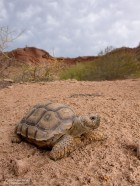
<point>111,162</point>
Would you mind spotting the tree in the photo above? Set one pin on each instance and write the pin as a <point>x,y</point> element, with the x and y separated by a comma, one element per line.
<point>107,50</point>
<point>6,37</point>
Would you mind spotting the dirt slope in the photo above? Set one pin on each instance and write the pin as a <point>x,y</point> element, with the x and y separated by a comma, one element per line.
<point>112,162</point>
<point>30,55</point>
<point>36,56</point>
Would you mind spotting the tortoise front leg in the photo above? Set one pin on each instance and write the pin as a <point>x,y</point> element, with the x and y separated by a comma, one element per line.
<point>94,136</point>
<point>64,147</point>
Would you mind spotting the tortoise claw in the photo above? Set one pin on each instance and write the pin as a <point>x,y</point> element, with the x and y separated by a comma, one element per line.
<point>16,139</point>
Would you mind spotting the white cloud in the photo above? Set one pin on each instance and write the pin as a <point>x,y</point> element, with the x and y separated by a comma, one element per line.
<point>29,13</point>
<point>3,12</point>
<point>51,21</point>
<point>73,28</point>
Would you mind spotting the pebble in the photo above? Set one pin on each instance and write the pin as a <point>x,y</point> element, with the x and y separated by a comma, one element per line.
<point>20,167</point>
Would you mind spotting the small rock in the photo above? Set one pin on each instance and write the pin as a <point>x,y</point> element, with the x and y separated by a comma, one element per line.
<point>11,86</point>
<point>9,80</point>
<point>20,167</point>
<point>1,177</point>
<point>21,82</point>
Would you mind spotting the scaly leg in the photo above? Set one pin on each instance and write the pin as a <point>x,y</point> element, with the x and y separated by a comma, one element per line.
<point>64,147</point>
<point>94,136</point>
<point>15,138</point>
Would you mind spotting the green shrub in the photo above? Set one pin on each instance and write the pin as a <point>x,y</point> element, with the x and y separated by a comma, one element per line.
<point>78,71</point>
<point>114,66</point>
<point>108,67</point>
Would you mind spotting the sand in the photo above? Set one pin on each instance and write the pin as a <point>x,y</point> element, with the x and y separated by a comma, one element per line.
<point>111,162</point>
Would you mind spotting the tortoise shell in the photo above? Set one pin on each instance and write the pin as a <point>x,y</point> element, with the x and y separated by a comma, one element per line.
<point>45,122</point>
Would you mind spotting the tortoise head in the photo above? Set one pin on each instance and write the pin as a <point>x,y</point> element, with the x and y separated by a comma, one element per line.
<point>90,122</point>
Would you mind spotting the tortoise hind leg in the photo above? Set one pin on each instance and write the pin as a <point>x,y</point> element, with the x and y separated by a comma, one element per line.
<point>15,138</point>
<point>64,147</point>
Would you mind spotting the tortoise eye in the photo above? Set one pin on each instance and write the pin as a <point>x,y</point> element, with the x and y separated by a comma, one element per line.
<point>92,117</point>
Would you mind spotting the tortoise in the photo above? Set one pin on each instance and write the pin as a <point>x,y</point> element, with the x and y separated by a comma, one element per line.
<point>55,126</point>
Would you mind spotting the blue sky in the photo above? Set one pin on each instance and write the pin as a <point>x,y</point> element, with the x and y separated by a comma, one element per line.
<point>72,28</point>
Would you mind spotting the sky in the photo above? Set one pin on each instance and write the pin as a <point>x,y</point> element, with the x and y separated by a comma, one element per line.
<point>72,28</point>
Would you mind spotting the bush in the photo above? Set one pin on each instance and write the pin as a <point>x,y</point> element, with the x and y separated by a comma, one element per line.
<point>47,72</point>
<point>114,66</point>
<point>108,67</point>
<point>78,71</point>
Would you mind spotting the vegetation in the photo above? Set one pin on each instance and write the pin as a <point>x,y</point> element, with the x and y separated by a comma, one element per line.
<point>6,37</point>
<point>78,71</point>
<point>46,72</point>
<point>108,67</point>
<point>112,64</point>
<point>18,70</point>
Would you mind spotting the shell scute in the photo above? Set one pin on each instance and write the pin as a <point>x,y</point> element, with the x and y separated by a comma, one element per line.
<point>24,129</point>
<point>31,133</point>
<point>34,117</point>
<point>18,128</point>
<point>65,113</point>
<point>48,121</point>
<point>41,135</point>
<point>54,106</point>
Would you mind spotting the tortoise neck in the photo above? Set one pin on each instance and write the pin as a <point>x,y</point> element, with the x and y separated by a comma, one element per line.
<point>77,127</point>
